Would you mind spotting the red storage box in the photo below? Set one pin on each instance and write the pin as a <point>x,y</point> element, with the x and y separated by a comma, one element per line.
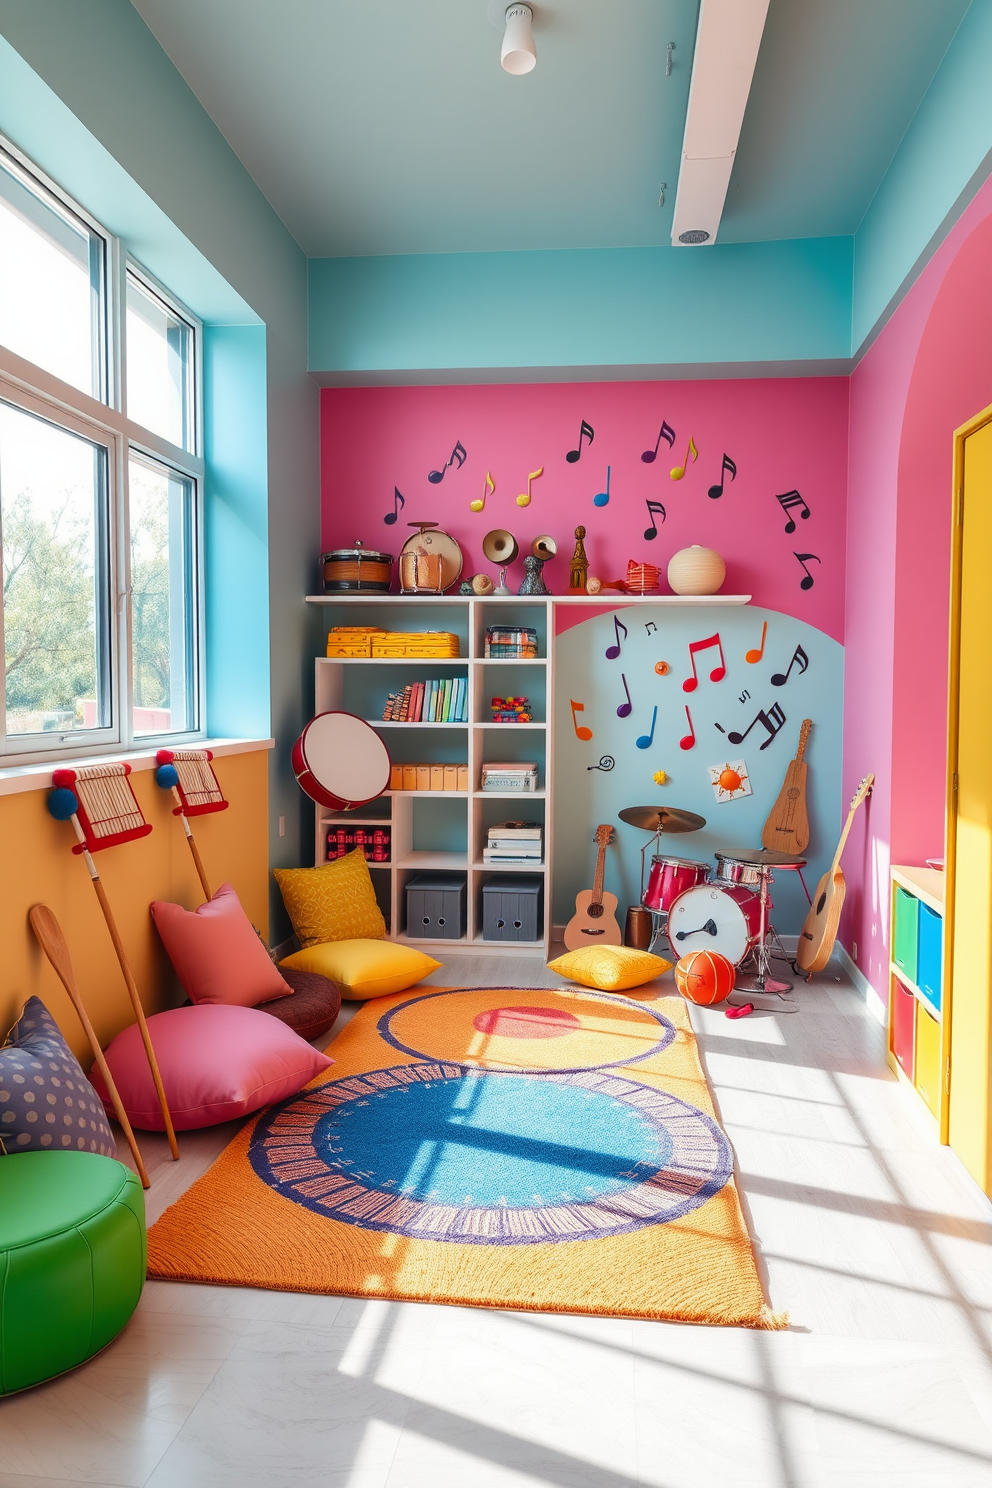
<point>903,1025</point>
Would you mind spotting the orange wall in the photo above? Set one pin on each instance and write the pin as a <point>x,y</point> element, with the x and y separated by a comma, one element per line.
<point>37,865</point>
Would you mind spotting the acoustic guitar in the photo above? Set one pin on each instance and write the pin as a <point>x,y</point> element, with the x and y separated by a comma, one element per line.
<point>595,919</point>
<point>819,931</point>
<point>787,827</point>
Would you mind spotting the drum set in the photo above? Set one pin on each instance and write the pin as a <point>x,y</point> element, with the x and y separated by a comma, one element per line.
<point>728,910</point>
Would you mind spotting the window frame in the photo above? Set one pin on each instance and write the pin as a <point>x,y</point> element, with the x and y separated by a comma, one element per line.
<point>26,385</point>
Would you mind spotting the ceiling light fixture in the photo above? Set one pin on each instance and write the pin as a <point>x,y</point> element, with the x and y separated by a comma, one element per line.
<point>518,55</point>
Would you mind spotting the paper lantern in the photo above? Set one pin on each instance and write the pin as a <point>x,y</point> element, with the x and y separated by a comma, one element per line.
<point>696,570</point>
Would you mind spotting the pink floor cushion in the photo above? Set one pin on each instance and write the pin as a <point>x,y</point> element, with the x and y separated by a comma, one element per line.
<point>313,1007</point>
<point>217,1063</point>
<point>216,954</point>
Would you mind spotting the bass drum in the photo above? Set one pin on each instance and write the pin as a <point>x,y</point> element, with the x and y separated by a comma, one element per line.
<point>340,761</point>
<point>711,917</point>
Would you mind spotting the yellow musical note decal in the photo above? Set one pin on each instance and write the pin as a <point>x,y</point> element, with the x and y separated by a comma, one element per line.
<point>678,471</point>
<point>487,490</point>
<point>524,498</point>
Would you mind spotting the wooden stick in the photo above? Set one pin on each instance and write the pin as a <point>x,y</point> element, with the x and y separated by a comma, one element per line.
<point>201,872</point>
<point>48,933</point>
<point>139,1012</point>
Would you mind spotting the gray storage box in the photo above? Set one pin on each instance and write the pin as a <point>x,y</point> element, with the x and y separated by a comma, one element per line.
<point>435,906</point>
<point>511,908</point>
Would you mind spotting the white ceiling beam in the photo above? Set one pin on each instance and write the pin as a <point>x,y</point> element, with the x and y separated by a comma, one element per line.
<point>727,42</point>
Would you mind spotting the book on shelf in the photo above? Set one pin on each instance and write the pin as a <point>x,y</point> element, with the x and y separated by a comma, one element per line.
<point>517,849</point>
<point>519,829</point>
<point>435,701</point>
<point>493,859</point>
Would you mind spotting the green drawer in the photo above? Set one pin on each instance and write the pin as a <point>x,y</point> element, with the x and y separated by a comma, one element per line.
<point>905,935</point>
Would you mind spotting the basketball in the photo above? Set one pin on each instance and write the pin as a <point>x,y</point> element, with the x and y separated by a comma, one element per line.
<point>704,977</point>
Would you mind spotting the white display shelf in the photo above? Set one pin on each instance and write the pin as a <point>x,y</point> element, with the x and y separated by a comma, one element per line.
<point>611,597</point>
<point>424,859</point>
<point>390,723</point>
<point>528,867</point>
<point>538,795</point>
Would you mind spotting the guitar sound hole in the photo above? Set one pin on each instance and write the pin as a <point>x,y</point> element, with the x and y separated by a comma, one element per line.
<point>594,911</point>
<point>820,903</point>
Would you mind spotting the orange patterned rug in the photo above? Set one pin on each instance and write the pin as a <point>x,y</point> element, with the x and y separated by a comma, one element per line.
<point>553,1151</point>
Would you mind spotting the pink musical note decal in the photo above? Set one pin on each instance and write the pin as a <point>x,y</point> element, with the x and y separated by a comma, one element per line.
<point>524,498</point>
<point>459,453</point>
<point>717,674</point>
<point>807,582</point>
<point>655,510</point>
<point>646,740</point>
<point>727,468</point>
<point>666,433</point>
<point>398,501</point>
<point>690,738</point>
<point>612,652</point>
<point>586,431</point>
<point>487,490</point>
<point>757,652</point>
<point>625,709</point>
<point>678,471</point>
<point>581,732</point>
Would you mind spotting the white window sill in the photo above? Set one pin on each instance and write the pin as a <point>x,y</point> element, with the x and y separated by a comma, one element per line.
<point>14,779</point>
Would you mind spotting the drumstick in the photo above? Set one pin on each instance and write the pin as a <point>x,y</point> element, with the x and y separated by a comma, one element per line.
<point>48,933</point>
<point>167,776</point>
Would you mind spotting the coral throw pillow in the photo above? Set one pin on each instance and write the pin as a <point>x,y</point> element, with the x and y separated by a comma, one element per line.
<point>216,954</point>
<point>45,1099</point>
<point>217,1063</point>
<point>365,968</point>
<point>610,968</point>
<point>335,902</point>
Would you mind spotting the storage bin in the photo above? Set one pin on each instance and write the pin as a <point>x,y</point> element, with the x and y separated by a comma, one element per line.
<point>511,908</point>
<point>435,906</point>
<point>903,1026</point>
<point>904,938</point>
<point>930,954</point>
<point>926,1074</point>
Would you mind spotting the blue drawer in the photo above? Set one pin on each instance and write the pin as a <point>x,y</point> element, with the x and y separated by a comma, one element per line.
<point>930,955</point>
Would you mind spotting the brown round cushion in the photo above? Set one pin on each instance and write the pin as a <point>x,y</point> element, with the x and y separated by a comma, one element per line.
<point>313,1007</point>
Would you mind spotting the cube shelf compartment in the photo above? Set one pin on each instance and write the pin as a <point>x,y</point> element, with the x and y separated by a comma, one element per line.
<point>916,1033</point>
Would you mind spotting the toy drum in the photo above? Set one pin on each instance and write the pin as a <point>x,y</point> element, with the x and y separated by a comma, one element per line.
<point>356,569</point>
<point>714,917</point>
<point>339,761</point>
<point>733,870</point>
<point>670,877</point>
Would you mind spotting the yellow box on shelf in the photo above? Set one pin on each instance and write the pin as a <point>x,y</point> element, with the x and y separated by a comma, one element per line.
<point>351,640</point>
<point>415,643</point>
<point>429,777</point>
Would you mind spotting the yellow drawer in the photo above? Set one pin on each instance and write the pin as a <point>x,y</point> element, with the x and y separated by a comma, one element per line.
<point>926,1073</point>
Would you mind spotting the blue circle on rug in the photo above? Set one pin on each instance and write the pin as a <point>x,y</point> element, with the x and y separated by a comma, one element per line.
<point>438,1152</point>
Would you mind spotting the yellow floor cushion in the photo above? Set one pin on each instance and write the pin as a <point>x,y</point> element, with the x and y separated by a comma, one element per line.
<point>334,902</point>
<point>610,968</point>
<point>365,968</point>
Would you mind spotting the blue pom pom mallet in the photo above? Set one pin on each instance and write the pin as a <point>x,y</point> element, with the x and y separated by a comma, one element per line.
<point>62,803</point>
<point>167,776</point>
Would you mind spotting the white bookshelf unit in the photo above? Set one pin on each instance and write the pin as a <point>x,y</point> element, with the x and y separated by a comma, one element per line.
<point>447,830</point>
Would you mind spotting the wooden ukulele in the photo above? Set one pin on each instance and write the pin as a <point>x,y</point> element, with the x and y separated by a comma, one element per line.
<point>787,827</point>
<point>595,919</point>
<point>819,931</point>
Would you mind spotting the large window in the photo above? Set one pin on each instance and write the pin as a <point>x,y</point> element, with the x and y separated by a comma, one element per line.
<point>100,480</point>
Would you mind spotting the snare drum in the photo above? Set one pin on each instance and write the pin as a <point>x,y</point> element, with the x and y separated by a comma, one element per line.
<point>340,761</point>
<point>734,870</point>
<point>715,917</point>
<point>669,878</point>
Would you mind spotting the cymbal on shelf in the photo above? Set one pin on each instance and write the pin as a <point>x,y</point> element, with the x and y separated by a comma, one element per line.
<point>662,819</point>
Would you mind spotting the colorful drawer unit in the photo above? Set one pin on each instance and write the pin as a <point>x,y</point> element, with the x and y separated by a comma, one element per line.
<point>930,955</point>
<point>916,1036</point>
<point>903,1027</point>
<point>926,1072</point>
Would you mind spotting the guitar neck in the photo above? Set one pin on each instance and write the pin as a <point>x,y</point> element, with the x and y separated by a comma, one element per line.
<point>597,883</point>
<point>844,835</point>
<point>803,739</point>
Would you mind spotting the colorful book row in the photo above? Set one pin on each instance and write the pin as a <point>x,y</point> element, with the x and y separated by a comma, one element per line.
<point>435,701</point>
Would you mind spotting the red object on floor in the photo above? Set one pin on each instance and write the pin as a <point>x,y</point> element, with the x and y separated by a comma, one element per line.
<point>740,1010</point>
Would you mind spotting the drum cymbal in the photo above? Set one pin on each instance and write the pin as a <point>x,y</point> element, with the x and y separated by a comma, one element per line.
<point>765,856</point>
<point>662,819</point>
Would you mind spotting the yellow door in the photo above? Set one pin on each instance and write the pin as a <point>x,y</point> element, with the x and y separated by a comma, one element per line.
<point>970,816</point>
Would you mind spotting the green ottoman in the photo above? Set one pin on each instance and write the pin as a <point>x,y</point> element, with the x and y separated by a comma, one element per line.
<point>72,1260</point>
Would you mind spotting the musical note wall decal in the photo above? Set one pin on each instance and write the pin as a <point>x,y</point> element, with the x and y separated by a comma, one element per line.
<point>581,731</point>
<point>646,740</point>
<point>800,659</point>
<point>398,501</point>
<point>606,762</point>
<point>459,453</point>
<point>603,499</point>
<point>678,471</point>
<point>650,626</point>
<point>773,720</point>
<point>727,468</point>
<point>655,509</point>
<point>717,674</point>
<point>744,696</point>
<point>666,433</point>
<point>587,432</point>
<point>804,558</point>
<point>612,652</point>
<point>690,738</point>
<point>524,498</point>
<point>487,490</point>
<point>787,501</point>
<point>625,709</point>
<point>758,652</point>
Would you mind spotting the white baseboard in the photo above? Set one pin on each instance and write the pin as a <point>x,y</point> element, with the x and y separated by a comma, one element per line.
<point>876,1004</point>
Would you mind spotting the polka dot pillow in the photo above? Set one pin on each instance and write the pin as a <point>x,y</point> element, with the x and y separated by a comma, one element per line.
<point>45,1099</point>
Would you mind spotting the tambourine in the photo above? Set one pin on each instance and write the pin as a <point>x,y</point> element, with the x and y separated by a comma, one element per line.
<point>340,761</point>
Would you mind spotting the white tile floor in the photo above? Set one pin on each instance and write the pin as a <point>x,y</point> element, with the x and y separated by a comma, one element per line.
<point>868,1232</point>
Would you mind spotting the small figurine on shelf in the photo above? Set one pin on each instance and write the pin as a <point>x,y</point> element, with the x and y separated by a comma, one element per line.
<point>579,566</point>
<point>533,583</point>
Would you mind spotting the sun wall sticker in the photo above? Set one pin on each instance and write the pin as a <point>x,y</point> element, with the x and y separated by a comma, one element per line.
<point>730,780</point>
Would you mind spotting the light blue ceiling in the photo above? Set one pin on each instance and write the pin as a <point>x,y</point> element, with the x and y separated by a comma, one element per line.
<point>388,127</point>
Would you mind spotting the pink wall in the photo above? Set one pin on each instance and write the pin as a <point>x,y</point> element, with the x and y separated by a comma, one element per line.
<point>783,434</point>
<point>928,372</point>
